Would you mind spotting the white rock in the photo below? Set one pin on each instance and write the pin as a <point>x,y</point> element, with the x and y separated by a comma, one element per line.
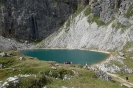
<point>4,85</point>
<point>3,54</point>
<point>12,79</point>
<point>53,67</point>
<point>26,75</point>
<point>21,58</point>
<point>63,87</point>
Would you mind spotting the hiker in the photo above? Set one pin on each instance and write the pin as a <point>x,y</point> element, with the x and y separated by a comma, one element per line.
<point>127,78</point>
<point>86,65</point>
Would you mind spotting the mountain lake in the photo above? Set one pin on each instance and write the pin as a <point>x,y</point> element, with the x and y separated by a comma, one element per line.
<point>63,55</point>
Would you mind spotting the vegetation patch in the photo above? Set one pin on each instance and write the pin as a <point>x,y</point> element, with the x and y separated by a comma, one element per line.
<point>62,23</point>
<point>118,25</point>
<point>78,10</point>
<point>68,23</point>
<point>117,63</point>
<point>116,10</point>
<point>127,46</point>
<point>129,11</point>
<point>128,62</point>
<point>8,61</point>
<point>87,11</point>
<point>95,18</point>
<point>55,2</point>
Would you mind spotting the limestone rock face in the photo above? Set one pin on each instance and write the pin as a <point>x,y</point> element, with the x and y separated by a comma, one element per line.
<point>105,8</point>
<point>33,19</point>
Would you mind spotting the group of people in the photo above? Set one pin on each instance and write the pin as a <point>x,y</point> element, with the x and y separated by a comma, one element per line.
<point>67,62</point>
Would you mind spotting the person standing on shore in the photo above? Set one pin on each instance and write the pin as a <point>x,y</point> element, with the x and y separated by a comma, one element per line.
<point>127,78</point>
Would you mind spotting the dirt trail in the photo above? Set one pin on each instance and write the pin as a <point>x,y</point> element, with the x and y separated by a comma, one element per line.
<point>121,80</point>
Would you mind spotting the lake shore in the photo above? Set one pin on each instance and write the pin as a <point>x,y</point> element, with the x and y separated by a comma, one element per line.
<point>106,52</point>
<point>98,63</point>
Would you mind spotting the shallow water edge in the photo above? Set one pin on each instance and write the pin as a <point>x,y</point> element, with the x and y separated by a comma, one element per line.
<point>104,52</point>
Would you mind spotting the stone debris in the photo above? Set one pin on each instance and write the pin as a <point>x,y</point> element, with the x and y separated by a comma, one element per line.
<point>56,64</point>
<point>4,85</point>
<point>54,68</point>
<point>121,54</point>
<point>66,76</point>
<point>12,44</point>
<point>75,72</point>
<point>50,73</point>
<point>19,69</point>
<point>31,57</point>
<point>106,67</point>
<point>59,76</point>
<point>26,75</point>
<point>12,78</point>
<point>3,54</point>
<point>26,42</point>
<point>21,58</point>
<point>63,87</point>
<point>103,75</point>
<point>14,69</point>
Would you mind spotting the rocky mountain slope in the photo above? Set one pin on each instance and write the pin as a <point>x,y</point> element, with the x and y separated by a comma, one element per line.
<point>89,32</point>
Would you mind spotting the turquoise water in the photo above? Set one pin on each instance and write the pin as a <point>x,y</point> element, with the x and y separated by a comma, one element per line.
<point>75,56</point>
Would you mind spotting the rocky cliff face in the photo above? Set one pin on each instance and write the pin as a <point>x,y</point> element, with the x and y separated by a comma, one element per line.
<point>33,19</point>
<point>36,19</point>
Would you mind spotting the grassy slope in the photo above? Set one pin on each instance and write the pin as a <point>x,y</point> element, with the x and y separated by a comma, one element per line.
<point>85,79</point>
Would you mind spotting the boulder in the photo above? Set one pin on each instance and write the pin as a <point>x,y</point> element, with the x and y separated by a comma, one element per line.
<point>54,68</point>
<point>21,58</point>
<point>121,54</point>
<point>103,75</point>
<point>3,54</point>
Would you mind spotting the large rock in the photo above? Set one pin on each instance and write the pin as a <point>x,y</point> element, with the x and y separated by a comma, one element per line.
<point>3,54</point>
<point>21,58</point>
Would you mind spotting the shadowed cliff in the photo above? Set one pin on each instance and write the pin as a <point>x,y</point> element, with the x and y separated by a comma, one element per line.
<point>33,19</point>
